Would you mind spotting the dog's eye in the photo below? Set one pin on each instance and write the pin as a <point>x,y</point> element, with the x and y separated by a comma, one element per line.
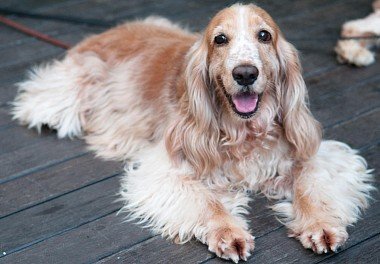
<point>220,39</point>
<point>264,36</point>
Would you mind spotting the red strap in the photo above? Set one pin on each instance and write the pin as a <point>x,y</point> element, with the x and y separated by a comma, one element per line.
<point>33,33</point>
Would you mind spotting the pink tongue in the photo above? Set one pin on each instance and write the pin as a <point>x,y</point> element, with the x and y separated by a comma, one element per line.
<point>245,102</point>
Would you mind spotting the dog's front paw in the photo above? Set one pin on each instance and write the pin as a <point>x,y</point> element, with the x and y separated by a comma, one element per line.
<point>322,238</point>
<point>231,243</point>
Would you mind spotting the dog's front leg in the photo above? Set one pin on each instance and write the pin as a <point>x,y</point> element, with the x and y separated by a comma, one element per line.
<point>228,236</point>
<point>329,191</point>
<point>176,205</point>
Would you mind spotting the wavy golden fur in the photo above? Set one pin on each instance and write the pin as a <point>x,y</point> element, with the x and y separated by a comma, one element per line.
<point>203,120</point>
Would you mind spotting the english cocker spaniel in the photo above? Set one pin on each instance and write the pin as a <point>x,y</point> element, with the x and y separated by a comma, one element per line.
<point>203,120</point>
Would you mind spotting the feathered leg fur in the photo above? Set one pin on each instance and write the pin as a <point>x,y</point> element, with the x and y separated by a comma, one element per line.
<point>329,192</point>
<point>171,202</point>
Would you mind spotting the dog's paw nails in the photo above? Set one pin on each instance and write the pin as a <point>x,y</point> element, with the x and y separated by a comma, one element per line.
<point>231,243</point>
<point>322,238</point>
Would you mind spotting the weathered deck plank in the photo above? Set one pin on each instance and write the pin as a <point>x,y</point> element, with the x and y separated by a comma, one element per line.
<point>24,152</point>
<point>345,103</point>
<point>59,215</point>
<point>85,245</point>
<point>53,182</point>
<point>352,131</point>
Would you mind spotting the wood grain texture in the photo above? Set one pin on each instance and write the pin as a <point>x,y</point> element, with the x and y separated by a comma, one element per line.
<point>99,238</point>
<point>59,215</point>
<point>23,152</point>
<point>52,182</point>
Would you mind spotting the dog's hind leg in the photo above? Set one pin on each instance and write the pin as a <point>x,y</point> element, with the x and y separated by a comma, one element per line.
<point>51,95</point>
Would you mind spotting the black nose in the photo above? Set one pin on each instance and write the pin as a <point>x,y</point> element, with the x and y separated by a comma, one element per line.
<point>245,74</point>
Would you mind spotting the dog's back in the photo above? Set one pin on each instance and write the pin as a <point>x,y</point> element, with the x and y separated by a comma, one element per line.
<point>130,73</point>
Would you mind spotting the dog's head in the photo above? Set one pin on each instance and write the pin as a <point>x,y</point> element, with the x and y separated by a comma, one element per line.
<point>243,68</point>
<point>241,74</point>
<point>241,57</point>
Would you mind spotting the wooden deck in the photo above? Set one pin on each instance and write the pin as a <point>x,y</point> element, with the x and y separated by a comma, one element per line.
<point>57,200</point>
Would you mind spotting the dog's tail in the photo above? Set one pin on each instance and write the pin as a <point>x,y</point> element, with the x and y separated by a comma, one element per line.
<point>50,97</point>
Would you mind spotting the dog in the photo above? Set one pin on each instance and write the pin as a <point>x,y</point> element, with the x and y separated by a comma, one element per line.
<point>203,120</point>
<point>358,51</point>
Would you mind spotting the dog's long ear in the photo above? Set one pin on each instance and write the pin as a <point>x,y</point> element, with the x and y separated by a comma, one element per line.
<point>194,135</point>
<point>198,85</point>
<point>301,129</point>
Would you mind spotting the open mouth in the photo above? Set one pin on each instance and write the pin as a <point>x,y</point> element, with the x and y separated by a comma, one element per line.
<point>244,104</point>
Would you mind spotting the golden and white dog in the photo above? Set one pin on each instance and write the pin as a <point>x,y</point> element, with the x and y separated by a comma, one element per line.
<point>203,120</point>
